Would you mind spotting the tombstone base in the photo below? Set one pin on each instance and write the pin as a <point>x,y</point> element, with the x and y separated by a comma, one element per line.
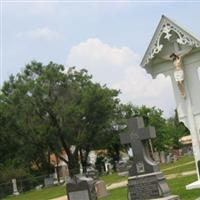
<point>148,186</point>
<point>16,193</point>
<point>171,197</point>
<point>194,185</point>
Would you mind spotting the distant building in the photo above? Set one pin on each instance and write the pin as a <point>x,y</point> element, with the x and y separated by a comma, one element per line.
<point>187,144</point>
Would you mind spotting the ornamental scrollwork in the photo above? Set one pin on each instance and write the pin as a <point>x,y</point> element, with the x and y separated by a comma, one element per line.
<point>166,29</point>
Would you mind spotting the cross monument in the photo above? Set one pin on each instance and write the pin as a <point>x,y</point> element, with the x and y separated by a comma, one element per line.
<point>175,52</point>
<point>145,179</point>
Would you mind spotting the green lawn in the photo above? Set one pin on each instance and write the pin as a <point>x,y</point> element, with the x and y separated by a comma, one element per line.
<point>184,164</point>
<point>177,185</point>
<point>181,161</point>
<point>117,194</point>
<point>43,194</point>
<point>113,178</point>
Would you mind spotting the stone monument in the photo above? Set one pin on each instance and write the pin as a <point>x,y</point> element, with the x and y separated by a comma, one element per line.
<point>145,179</point>
<point>100,185</point>
<point>175,52</point>
<point>48,181</point>
<point>15,190</point>
<point>81,188</point>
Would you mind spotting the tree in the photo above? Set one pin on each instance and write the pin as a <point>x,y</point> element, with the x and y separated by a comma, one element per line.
<point>176,130</point>
<point>53,110</point>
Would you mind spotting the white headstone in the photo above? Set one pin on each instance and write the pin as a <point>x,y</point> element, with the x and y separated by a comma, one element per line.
<point>15,190</point>
<point>170,41</point>
<point>168,159</point>
<point>162,157</point>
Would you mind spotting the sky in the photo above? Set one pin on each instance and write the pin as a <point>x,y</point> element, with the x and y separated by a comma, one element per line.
<point>109,39</point>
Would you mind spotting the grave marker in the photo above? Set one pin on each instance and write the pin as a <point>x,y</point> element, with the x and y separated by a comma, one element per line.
<point>145,179</point>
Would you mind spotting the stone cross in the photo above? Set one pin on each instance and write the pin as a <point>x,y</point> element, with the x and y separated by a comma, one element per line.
<point>137,135</point>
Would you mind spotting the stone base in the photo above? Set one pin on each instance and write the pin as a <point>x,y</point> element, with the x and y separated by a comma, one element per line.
<point>171,197</point>
<point>148,186</point>
<point>194,185</point>
<point>16,193</point>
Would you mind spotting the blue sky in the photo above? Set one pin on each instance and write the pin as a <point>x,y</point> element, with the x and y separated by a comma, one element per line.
<point>108,39</point>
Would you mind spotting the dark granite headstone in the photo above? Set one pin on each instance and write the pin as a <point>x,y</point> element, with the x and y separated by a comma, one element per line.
<point>81,188</point>
<point>145,179</point>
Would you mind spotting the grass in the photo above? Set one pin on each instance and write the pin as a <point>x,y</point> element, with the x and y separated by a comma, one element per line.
<point>177,185</point>
<point>44,194</point>
<point>113,178</point>
<point>181,161</point>
<point>186,163</point>
<point>117,194</point>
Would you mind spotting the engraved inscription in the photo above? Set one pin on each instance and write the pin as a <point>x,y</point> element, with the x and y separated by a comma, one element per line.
<point>145,188</point>
<point>81,195</point>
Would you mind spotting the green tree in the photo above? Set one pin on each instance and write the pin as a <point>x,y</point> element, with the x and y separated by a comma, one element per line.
<point>176,130</point>
<point>54,110</point>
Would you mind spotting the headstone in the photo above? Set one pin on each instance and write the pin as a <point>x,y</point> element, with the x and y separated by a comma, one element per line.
<point>91,172</point>
<point>108,167</point>
<point>15,190</point>
<point>81,188</point>
<point>175,158</point>
<point>174,52</point>
<point>168,158</point>
<point>145,179</point>
<point>156,157</point>
<point>162,157</point>
<point>48,182</point>
<point>101,189</point>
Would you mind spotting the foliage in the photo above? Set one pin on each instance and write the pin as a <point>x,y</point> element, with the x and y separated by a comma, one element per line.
<point>176,130</point>
<point>50,110</point>
<point>168,131</point>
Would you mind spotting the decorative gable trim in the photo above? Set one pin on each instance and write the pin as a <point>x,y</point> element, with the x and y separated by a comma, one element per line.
<point>165,27</point>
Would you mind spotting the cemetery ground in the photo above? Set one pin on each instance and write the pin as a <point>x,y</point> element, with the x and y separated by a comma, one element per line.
<point>178,175</point>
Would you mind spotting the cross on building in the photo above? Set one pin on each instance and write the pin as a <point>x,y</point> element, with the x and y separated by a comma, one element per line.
<point>178,57</point>
<point>137,136</point>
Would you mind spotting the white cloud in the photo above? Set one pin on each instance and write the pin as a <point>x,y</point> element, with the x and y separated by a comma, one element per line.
<point>119,68</point>
<point>41,34</point>
<point>104,62</point>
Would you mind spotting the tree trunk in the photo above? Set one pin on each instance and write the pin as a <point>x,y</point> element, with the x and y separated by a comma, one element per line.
<point>57,172</point>
<point>73,162</point>
<point>84,158</point>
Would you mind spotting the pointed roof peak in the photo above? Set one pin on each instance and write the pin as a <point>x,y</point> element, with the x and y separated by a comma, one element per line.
<point>165,27</point>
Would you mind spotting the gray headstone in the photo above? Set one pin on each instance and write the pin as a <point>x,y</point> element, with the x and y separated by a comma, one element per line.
<point>137,136</point>
<point>48,182</point>
<point>169,158</point>
<point>145,179</point>
<point>81,188</point>
<point>91,172</point>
